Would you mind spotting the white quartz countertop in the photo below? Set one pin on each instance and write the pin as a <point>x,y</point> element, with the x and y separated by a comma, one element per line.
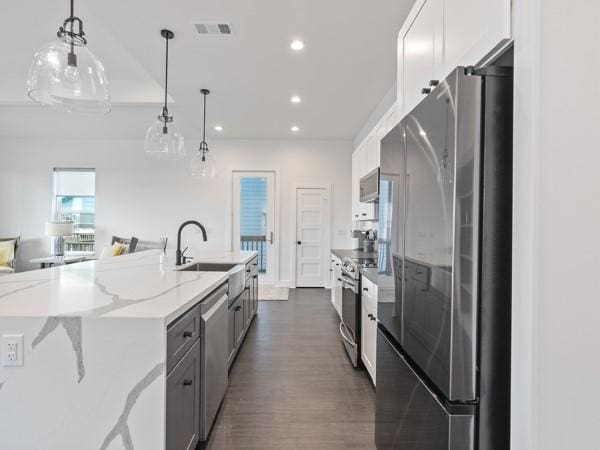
<point>137,286</point>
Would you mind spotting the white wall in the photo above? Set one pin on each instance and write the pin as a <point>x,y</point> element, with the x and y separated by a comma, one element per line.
<point>137,195</point>
<point>556,282</point>
<point>380,110</point>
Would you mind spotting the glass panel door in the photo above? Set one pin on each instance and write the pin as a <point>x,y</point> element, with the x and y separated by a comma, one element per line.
<point>253,218</point>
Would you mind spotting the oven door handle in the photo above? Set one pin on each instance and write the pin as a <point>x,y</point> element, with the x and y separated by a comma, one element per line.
<point>351,286</point>
<point>347,280</point>
<point>347,339</point>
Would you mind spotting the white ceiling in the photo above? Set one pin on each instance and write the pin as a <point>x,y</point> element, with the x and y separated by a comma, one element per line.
<point>346,68</point>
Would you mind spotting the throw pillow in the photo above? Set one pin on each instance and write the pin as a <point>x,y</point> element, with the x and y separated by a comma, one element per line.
<point>6,256</point>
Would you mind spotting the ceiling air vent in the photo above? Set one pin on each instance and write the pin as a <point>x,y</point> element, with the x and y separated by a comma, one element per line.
<point>213,28</point>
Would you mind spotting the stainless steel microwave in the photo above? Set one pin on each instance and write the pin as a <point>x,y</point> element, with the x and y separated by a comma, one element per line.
<point>369,187</point>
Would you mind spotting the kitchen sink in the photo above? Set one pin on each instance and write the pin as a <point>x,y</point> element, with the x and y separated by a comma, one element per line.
<point>237,275</point>
<point>209,267</point>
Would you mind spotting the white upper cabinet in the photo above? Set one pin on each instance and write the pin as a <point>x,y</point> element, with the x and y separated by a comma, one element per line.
<point>364,160</point>
<point>420,48</point>
<point>439,35</point>
<point>367,162</point>
<point>391,120</point>
<point>472,28</point>
<point>372,154</point>
<point>380,133</point>
<point>355,184</point>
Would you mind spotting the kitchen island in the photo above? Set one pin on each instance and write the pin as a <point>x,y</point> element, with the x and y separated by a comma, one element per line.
<point>95,350</point>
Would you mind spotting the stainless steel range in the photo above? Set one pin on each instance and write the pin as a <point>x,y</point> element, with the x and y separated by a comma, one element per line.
<point>351,306</point>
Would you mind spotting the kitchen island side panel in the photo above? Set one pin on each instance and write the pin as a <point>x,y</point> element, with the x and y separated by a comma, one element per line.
<point>86,383</point>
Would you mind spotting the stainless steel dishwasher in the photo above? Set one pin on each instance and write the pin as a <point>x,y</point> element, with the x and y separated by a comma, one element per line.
<point>213,357</point>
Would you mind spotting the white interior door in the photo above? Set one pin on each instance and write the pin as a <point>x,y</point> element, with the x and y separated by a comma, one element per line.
<point>254,219</point>
<point>312,236</point>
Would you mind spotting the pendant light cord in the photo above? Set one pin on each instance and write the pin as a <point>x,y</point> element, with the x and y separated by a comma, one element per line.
<point>166,74</point>
<point>204,122</point>
<point>72,58</point>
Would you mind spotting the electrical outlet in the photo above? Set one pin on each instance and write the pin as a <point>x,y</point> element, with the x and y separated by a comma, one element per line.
<point>12,350</point>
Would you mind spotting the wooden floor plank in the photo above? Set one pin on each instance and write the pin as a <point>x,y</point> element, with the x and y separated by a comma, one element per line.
<point>292,386</point>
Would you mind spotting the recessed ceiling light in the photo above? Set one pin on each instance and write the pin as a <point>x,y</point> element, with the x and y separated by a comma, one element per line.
<point>295,99</point>
<point>297,45</point>
<point>295,129</point>
<point>218,128</point>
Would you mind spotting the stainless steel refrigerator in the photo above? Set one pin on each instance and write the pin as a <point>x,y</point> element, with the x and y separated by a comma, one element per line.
<point>443,344</point>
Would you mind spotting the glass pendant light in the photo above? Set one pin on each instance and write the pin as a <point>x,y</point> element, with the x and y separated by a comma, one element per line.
<point>66,75</point>
<point>203,164</point>
<point>163,140</point>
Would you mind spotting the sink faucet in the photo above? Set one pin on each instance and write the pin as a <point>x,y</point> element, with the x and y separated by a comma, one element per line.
<point>179,258</point>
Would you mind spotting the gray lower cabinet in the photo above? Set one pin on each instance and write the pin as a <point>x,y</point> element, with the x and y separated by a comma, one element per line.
<point>231,333</point>
<point>243,310</point>
<point>181,335</point>
<point>240,317</point>
<point>248,307</point>
<point>183,402</point>
<point>254,293</point>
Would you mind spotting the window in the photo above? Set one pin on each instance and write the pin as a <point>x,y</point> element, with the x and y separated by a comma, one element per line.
<point>253,218</point>
<point>75,202</point>
<point>384,240</point>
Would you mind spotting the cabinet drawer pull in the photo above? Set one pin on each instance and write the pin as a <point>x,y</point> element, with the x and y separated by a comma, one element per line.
<point>364,214</point>
<point>187,334</point>
<point>425,91</point>
<point>238,308</point>
<point>373,318</point>
<point>187,382</point>
<point>255,276</point>
<point>366,289</point>
<point>370,316</point>
<point>434,83</point>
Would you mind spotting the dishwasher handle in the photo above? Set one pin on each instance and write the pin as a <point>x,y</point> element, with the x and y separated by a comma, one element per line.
<point>208,314</point>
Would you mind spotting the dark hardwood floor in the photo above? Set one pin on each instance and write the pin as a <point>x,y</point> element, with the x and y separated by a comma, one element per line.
<point>292,386</point>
